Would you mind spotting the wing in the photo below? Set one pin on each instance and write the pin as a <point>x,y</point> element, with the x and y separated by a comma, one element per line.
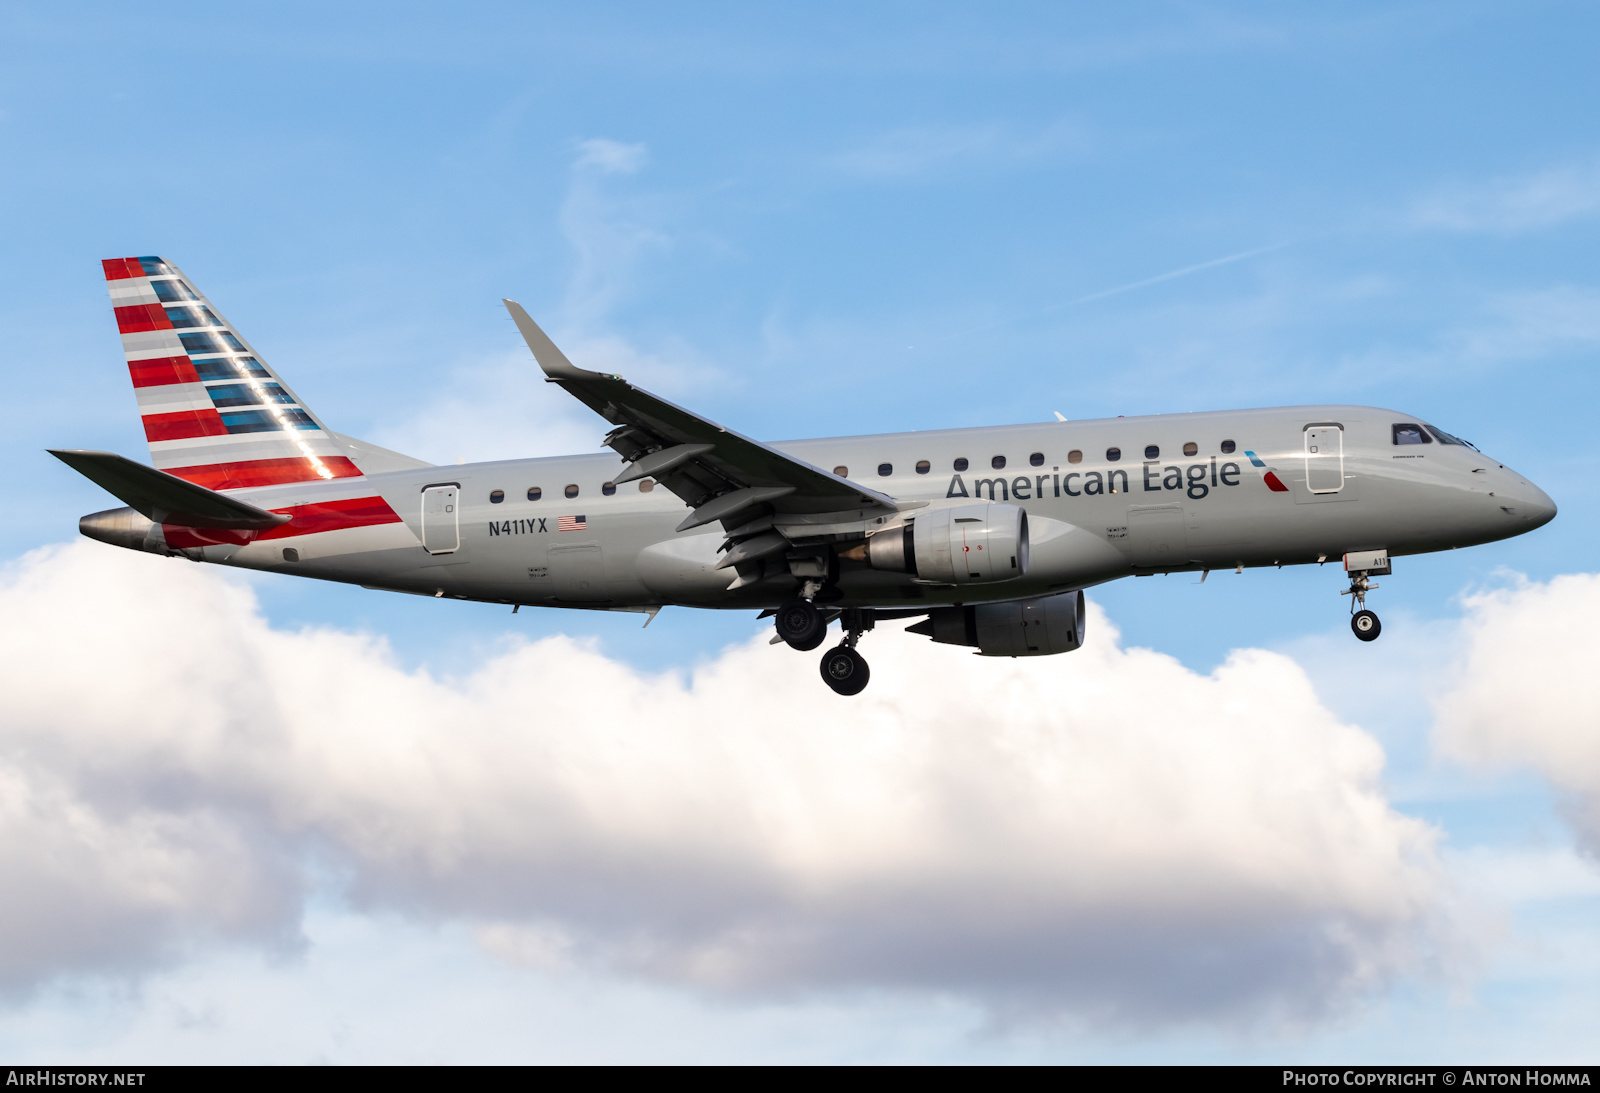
<point>767,502</point>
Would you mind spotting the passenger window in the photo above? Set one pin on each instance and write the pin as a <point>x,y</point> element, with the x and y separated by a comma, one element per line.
<point>923,466</point>
<point>534,493</point>
<point>1113,454</point>
<point>885,470</point>
<point>998,462</point>
<point>1152,451</point>
<point>572,491</point>
<point>961,463</point>
<point>1228,447</point>
<point>608,488</point>
<point>496,496</point>
<point>1409,433</point>
<point>842,472</point>
<point>1075,456</point>
<point>1037,459</point>
<point>646,485</point>
<point>1191,448</point>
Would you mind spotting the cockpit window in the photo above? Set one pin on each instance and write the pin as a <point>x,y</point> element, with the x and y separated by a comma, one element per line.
<point>1409,433</point>
<point>1445,438</point>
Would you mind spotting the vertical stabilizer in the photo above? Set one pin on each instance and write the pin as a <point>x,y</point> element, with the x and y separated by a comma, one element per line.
<point>214,413</point>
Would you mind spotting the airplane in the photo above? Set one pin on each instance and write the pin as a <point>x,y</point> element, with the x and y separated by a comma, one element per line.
<point>987,535</point>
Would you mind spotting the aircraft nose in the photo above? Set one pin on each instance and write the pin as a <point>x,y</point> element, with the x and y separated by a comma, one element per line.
<point>1523,501</point>
<point>1538,508</point>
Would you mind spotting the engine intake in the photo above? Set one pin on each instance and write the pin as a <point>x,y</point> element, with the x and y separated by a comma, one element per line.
<point>966,544</point>
<point>1022,628</point>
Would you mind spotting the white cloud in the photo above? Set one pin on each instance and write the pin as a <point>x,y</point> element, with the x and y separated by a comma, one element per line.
<point>1527,693</point>
<point>1509,328</point>
<point>494,408</point>
<point>1529,325</point>
<point>1509,205</point>
<point>918,151</point>
<point>612,157</point>
<point>1107,835</point>
<point>610,235</point>
<point>500,407</point>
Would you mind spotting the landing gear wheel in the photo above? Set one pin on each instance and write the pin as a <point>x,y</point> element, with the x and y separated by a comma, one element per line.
<point>845,670</point>
<point>801,625</point>
<point>1366,625</point>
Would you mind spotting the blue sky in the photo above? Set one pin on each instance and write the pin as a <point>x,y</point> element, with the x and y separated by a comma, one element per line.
<point>833,220</point>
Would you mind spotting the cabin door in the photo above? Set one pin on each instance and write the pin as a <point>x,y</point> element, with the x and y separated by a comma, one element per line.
<point>1324,458</point>
<point>441,519</point>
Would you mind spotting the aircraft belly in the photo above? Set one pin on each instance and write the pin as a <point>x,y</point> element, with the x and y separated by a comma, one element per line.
<point>683,570</point>
<point>1062,553</point>
<point>577,573</point>
<point>343,549</point>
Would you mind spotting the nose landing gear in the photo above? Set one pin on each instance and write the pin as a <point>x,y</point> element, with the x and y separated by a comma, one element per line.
<point>1360,566</point>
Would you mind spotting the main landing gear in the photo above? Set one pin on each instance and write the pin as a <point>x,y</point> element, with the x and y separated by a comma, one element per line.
<point>802,625</point>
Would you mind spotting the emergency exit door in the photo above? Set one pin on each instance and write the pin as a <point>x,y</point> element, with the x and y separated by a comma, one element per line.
<point>441,519</point>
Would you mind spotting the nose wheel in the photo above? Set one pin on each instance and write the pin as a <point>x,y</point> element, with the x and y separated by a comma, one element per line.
<point>1363,623</point>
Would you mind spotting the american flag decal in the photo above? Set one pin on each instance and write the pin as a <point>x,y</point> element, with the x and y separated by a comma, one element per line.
<point>572,523</point>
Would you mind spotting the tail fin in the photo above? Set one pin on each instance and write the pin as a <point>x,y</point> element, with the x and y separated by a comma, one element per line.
<point>214,413</point>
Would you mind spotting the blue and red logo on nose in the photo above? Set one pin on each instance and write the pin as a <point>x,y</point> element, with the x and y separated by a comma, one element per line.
<point>1268,475</point>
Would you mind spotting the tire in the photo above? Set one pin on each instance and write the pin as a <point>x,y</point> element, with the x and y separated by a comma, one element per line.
<point>845,670</point>
<point>801,625</point>
<point>1366,625</point>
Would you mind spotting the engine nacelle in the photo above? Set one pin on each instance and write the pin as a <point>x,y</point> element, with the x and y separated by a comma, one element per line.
<point>966,544</point>
<point>1022,628</point>
<point>125,528</point>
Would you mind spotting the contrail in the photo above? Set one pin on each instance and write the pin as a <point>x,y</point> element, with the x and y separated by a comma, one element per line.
<point>1171,275</point>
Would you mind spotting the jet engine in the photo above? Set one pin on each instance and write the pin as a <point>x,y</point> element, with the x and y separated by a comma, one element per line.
<point>1022,628</point>
<point>124,528</point>
<point>966,544</point>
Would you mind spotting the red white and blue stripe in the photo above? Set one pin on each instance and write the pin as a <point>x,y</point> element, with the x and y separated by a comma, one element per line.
<point>1270,477</point>
<point>214,412</point>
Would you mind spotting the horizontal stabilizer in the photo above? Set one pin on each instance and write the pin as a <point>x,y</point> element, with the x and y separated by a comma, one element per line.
<point>165,498</point>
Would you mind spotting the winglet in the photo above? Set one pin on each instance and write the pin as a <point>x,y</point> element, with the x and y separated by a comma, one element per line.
<point>552,360</point>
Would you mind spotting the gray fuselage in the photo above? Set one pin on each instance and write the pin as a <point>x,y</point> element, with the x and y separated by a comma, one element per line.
<point>1091,518</point>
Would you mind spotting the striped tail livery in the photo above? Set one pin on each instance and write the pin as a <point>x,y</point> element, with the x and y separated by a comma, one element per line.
<point>214,412</point>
